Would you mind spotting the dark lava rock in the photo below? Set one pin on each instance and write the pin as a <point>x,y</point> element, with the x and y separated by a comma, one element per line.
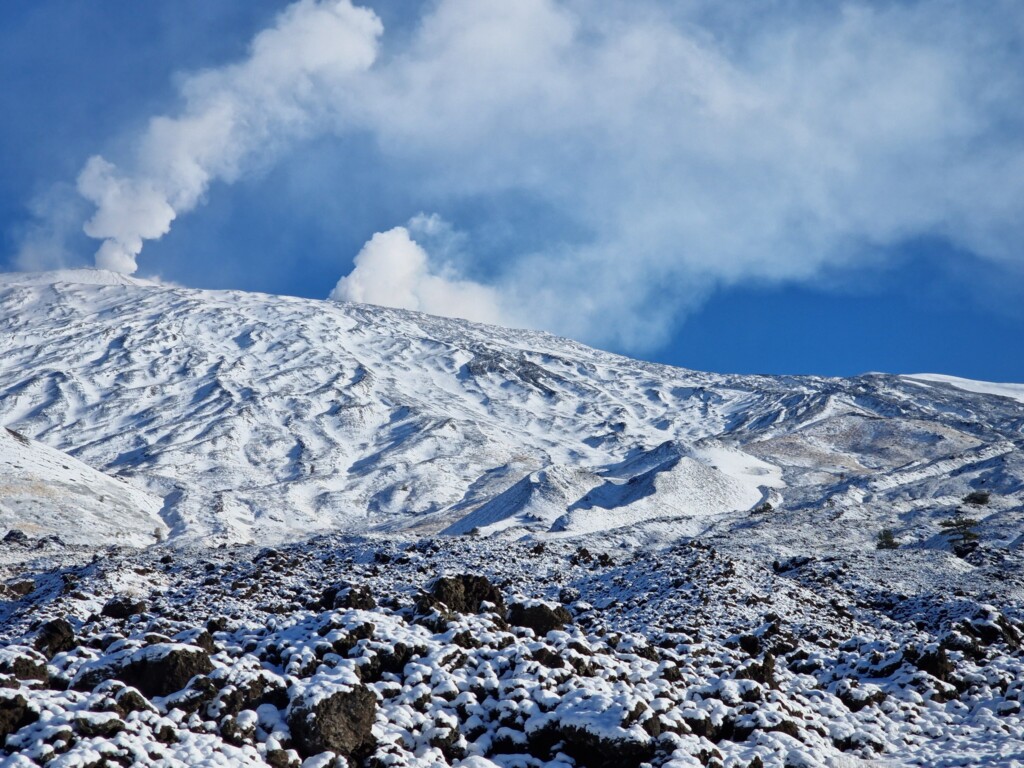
<point>465,593</point>
<point>14,714</point>
<point>934,662</point>
<point>14,536</point>
<point>22,587</point>
<point>55,636</point>
<point>157,670</point>
<point>540,618</point>
<point>278,758</point>
<point>122,607</point>
<point>569,595</point>
<point>589,749</point>
<point>130,700</point>
<point>28,665</point>
<point>340,723</point>
<point>348,596</point>
<point>232,699</point>
<point>751,644</point>
<point>763,672</point>
<point>103,728</point>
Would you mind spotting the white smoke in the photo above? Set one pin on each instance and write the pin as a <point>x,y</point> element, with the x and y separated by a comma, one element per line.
<point>393,270</point>
<point>683,146</point>
<point>230,114</point>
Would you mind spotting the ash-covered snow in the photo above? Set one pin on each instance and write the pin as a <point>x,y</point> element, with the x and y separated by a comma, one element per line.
<point>701,546</point>
<point>45,493</point>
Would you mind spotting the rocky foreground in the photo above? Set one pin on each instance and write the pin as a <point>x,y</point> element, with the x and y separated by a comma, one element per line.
<point>459,652</point>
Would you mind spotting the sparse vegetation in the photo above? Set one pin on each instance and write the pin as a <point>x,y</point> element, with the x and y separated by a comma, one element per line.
<point>886,539</point>
<point>962,533</point>
<point>977,498</point>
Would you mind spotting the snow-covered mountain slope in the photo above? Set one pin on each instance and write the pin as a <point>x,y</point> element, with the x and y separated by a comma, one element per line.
<point>698,586</point>
<point>1013,391</point>
<point>44,492</point>
<point>258,418</point>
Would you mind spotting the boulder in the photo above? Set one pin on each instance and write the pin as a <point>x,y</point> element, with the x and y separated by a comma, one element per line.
<point>539,617</point>
<point>122,606</point>
<point>156,670</point>
<point>348,596</point>
<point>465,593</point>
<point>341,723</point>
<point>23,663</point>
<point>55,636</point>
<point>98,725</point>
<point>14,714</point>
<point>16,537</point>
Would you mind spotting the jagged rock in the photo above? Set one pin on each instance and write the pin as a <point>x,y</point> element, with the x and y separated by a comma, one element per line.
<point>750,644</point>
<point>157,670</point>
<point>14,713</point>
<point>55,636</point>
<point>16,538</point>
<point>465,593</point>
<point>262,689</point>
<point>348,596</point>
<point>760,672</point>
<point>201,690</point>
<point>568,595</point>
<point>582,557</point>
<point>122,607</point>
<point>589,749</point>
<point>279,758</point>
<point>341,723</point>
<point>24,663</point>
<point>22,587</point>
<point>201,638</point>
<point>935,662</point>
<point>130,700</point>
<point>539,617</point>
<point>98,726</point>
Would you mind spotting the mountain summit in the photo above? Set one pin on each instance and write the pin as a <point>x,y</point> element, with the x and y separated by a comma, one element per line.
<point>263,418</point>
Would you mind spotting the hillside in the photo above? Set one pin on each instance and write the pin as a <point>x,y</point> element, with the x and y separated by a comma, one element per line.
<point>263,418</point>
<point>391,539</point>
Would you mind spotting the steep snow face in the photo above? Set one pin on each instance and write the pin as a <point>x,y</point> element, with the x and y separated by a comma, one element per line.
<point>44,492</point>
<point>259,418</point>
<point>1013,391</point>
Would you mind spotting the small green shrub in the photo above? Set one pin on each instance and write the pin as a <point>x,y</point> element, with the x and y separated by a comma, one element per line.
<point>886,539</point>
<point>978,498</point>
<point>962,533</point>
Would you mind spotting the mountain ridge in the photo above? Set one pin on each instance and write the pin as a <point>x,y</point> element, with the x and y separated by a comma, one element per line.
<point>257,417</point>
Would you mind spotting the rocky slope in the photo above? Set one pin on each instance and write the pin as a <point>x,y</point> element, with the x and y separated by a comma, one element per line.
<point>536,553</point>
<point>359,650</point>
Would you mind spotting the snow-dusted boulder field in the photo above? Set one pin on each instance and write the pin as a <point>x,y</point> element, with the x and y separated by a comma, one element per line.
<point>241,529</point>
<point>456,652</point>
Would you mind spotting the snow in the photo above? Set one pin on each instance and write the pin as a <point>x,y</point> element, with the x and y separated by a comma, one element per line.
<point>257,418</point>
<point>692,524</point>
<point>1012,391</point>
<point>44,492</point>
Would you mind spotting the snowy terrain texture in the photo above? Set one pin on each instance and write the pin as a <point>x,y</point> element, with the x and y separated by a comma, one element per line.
<point>258,418</point>
<point>490,547</point>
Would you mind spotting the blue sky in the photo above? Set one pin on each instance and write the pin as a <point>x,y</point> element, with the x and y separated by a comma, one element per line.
<point>789,187</point>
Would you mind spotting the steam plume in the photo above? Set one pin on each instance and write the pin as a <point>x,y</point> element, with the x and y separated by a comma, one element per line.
<point>272,97</point>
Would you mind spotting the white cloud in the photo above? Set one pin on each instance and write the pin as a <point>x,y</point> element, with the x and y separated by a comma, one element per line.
<point>394,271</point>
<point>690,145</point>
<point>697,152</point>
